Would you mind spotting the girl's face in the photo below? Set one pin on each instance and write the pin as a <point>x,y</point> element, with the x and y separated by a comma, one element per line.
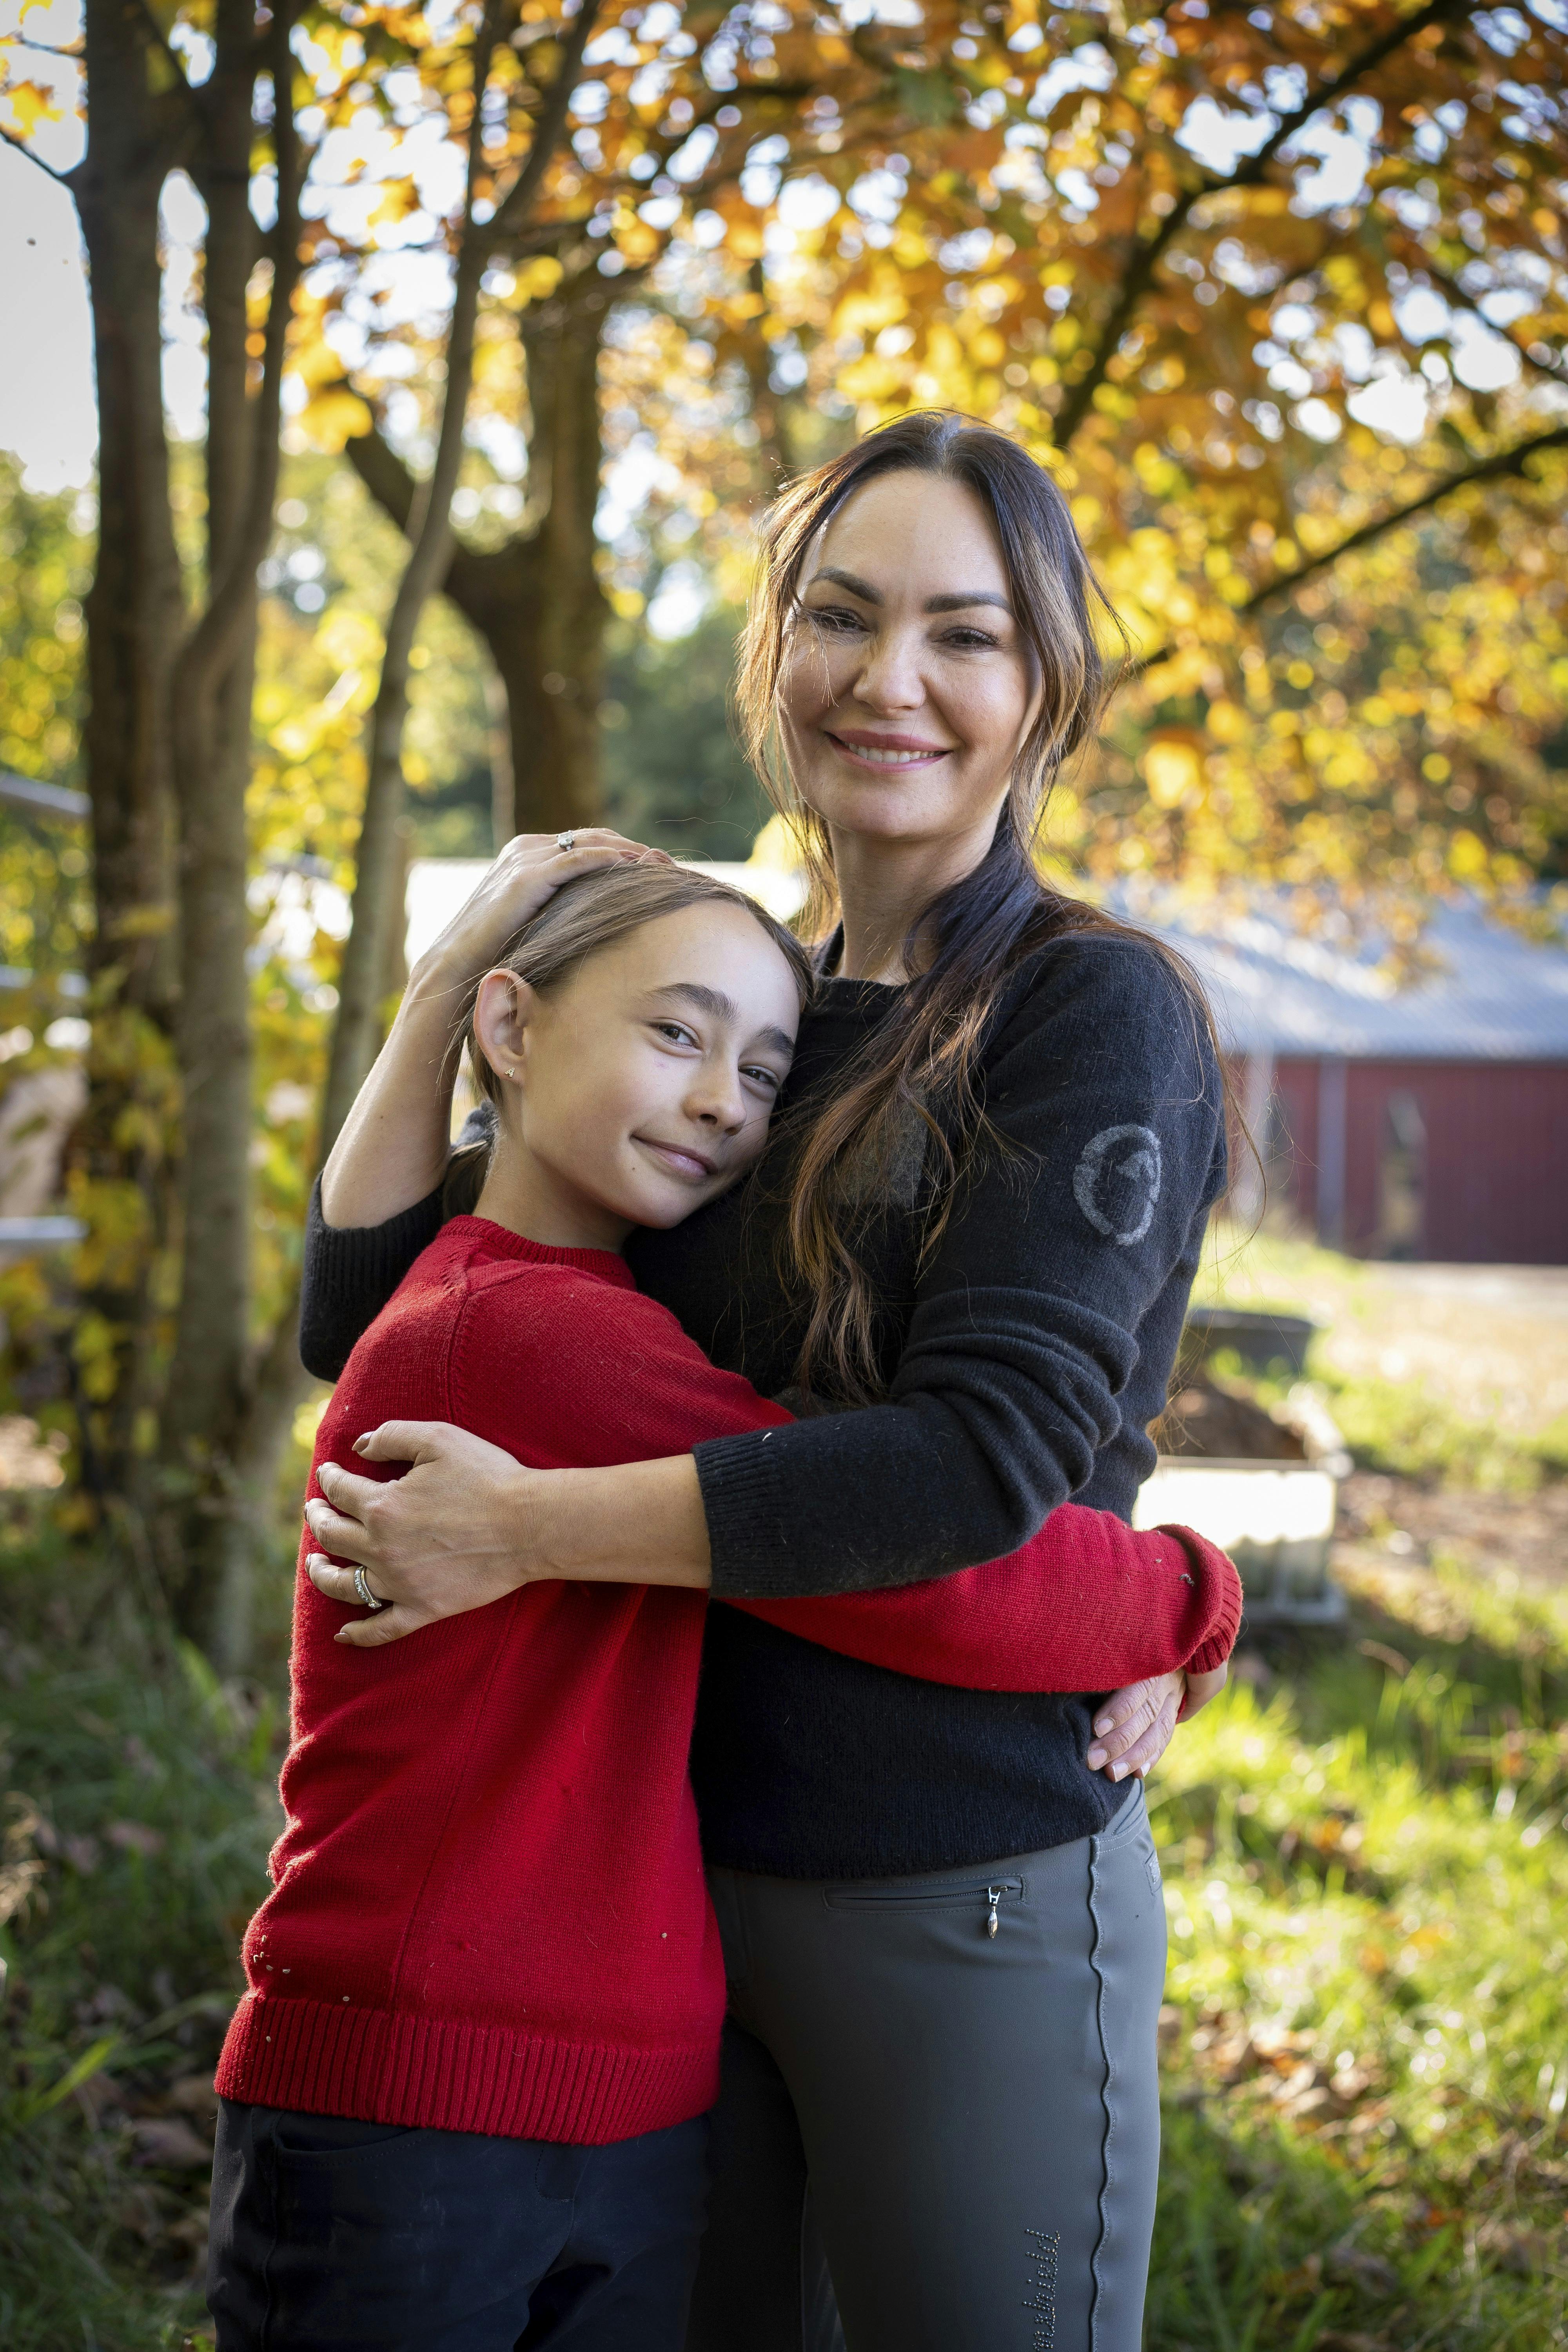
<point>908,689</point>
<point>644,1084</point>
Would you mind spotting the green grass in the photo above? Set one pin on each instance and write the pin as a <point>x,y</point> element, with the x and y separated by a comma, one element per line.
<point>1366,2037</point>
<point>137,1813</point>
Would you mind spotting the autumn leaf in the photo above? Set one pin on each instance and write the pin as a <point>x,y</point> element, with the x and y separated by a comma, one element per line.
<point>30,104</point>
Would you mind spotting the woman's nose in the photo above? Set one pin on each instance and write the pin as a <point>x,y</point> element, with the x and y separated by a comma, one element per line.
<point>890,676</point>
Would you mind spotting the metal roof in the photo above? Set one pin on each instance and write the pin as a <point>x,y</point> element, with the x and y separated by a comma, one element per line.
<point>1276,989</point>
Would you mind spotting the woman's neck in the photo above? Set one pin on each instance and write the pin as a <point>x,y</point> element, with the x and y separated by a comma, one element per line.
<point>884,888</point>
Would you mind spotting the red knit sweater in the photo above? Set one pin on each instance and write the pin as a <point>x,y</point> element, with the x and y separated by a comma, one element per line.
<point>489,1912</point>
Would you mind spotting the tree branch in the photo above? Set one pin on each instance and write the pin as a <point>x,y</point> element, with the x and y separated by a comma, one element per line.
<point>513,210</point>
<point>1550,371</point>
<point>1497,467</point>
<point>430,534</point>
<point>1141,271</point>
<point>212,643</point>
<point>11,140</point>
<point>154,35</point>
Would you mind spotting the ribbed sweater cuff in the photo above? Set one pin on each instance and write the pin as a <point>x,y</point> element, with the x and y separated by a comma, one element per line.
<point>742,1501</point>
<point>382,2067</point>
<point>1225,1585</point>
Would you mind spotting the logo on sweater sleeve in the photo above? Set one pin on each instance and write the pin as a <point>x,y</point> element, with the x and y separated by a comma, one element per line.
<point>1117,1181</point>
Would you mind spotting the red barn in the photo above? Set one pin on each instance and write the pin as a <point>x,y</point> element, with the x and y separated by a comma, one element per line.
<point>1422,1122</point>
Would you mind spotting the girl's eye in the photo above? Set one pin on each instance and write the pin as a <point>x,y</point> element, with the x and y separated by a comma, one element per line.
<point>836,617</point>
<point>972,640</point>
<point>675,1032</point>
<point>768,1078</point>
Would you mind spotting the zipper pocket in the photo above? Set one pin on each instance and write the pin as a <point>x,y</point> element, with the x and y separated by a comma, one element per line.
<point>982,1895</point>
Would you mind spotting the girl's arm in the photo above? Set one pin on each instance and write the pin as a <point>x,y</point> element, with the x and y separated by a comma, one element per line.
<point>1088,1604</point>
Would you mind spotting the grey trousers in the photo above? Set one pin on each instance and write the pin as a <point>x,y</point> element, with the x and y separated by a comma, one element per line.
<point>954,2131</point>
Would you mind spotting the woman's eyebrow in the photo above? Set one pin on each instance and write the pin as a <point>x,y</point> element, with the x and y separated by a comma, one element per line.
<point>869,596</point>
<point>957,604</point>
<point>720,1007</point>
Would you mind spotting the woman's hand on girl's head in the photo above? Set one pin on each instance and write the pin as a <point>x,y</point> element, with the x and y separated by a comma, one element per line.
<point>443,1539</point>
<point>527,872</point>
<point>1133,1729</point>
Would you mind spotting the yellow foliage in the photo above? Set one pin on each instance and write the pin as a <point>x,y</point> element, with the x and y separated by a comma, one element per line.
<point>1172,772</point>
<point>332,416</point>
<point>30,104</point>
<point>535,279</point>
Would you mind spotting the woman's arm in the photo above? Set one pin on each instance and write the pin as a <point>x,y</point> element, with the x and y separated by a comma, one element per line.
<point>1086,1605</point>
<point>1062,1270</point>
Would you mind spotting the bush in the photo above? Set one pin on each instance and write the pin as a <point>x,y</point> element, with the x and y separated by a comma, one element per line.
<point>138,1813</point>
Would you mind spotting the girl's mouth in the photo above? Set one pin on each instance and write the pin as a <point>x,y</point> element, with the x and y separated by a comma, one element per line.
<point>690,1166</point>
<point>883,752</point>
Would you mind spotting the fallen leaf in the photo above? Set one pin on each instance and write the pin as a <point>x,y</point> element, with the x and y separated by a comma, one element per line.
<point>134,1837</point>
<point>169,2142</point>
<point>195,2094</point>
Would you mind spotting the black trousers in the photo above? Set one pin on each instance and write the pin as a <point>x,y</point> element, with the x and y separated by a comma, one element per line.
<point>952,2133</point>
<point>335,2236</point>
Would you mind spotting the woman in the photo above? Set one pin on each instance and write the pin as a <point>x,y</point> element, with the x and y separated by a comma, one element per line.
<point>1006,1132</point>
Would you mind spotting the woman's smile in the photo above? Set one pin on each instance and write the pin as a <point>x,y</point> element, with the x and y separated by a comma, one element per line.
<point>863,749</point>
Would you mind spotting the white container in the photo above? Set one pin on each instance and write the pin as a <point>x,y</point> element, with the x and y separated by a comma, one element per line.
<point>1276,1519</point>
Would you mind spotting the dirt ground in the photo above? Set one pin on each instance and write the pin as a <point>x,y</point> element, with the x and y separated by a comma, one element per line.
<point>1392,1521</point>
<point>1489,1342</point>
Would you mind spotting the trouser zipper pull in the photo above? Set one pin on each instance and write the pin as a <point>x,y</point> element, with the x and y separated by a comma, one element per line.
<point>994,1895</point>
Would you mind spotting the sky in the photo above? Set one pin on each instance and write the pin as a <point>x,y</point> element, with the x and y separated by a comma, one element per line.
<point>48,414</point>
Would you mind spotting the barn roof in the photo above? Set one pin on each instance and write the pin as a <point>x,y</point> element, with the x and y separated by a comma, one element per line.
<point>1495,996</point>
<point>1276,989</point>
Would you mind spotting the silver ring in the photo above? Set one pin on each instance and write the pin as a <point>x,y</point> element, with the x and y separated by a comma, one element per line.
<point>362,1586</point>
<point>565,840</point>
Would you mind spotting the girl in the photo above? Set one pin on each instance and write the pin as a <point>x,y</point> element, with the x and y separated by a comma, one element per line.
<point>461,2099</point>
<point>983,1213</point>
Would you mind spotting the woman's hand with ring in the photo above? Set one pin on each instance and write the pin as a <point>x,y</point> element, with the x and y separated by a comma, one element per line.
<point>526,874</point>
<point>441,1539</point>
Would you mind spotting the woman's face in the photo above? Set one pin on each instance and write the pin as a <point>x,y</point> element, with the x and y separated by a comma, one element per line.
<point>907,688</point>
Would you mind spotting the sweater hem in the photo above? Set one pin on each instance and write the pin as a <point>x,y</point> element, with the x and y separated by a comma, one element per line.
<point>433,2074</point>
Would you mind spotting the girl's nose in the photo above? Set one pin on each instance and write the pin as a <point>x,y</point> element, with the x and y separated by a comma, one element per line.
<point>715,1099</point>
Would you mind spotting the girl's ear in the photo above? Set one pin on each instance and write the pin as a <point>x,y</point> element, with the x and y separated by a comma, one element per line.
<point>502,1012</point>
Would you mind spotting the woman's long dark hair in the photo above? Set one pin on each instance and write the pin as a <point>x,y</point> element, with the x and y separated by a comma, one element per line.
<point>963,947</point>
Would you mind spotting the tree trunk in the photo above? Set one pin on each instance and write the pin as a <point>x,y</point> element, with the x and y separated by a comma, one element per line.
<point>536,601</point>
<point>122,1150</point>
<point>208,1526</point>
<point>206,1399</point>
<point>554,700</point>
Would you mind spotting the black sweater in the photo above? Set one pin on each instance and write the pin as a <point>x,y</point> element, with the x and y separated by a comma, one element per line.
<point>1024,1361</point>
